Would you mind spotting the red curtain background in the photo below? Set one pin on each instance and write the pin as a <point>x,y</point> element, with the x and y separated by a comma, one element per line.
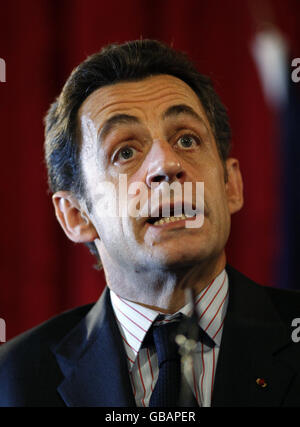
<point>42,273</point>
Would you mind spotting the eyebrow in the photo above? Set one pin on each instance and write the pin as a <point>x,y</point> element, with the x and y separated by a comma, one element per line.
<point>117,120</point>
<point>120,119</point>
<point>176,110</point>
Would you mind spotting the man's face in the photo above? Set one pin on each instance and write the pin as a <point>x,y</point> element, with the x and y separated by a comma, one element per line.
<point>153,130</point>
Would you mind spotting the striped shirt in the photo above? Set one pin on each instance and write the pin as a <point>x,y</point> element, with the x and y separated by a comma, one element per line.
<point>135,320</point>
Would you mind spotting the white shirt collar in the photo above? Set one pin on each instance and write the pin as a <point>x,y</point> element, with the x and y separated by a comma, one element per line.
<point>134,320</point>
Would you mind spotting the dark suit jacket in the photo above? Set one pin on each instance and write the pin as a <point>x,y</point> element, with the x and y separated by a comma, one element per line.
<point>78,358</point>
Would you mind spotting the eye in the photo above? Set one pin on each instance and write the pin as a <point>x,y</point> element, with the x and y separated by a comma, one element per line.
<point>188,141</point>
<point>125,153</point>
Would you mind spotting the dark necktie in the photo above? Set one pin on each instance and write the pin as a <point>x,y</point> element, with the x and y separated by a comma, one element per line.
<point>167,389</point>
<point>171,388</point>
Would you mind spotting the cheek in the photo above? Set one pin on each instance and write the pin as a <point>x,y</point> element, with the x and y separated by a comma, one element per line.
<point>110,233</point>
<point>215,193</point>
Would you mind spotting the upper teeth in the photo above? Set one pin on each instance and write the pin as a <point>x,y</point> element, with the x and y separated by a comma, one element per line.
<point>172,219</point>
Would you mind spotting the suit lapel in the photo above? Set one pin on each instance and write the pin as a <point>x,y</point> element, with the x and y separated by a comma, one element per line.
<point>93,361</point>
<point>253,341</point>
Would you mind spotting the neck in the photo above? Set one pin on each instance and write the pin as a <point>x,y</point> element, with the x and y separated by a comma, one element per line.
<point>162,290</point>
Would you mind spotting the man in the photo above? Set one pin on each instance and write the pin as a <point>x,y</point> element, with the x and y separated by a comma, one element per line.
<point>141,111</point>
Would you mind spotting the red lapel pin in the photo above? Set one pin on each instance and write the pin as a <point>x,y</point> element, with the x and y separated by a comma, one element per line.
<point>261,382</point>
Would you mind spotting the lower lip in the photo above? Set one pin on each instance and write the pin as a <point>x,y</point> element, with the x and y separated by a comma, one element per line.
<point>171,225</point>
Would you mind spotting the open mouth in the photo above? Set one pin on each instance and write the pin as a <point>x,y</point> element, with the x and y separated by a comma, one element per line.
<point>160,219</point>
<point>166,220</point>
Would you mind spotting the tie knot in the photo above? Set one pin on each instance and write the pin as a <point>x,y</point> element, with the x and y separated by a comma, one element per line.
<point>164,341</point>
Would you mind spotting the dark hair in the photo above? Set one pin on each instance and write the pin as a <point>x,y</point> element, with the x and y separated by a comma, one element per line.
<point>131,61</point>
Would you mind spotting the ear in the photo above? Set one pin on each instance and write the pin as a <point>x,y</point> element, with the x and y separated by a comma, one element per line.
<point>234,186</point>
<point>75,223</point>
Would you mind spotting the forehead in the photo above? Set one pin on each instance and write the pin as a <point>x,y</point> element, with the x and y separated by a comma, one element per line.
<point>151,95</point>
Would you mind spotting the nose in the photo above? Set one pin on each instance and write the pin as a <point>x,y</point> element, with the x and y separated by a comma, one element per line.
<point>164,164</point>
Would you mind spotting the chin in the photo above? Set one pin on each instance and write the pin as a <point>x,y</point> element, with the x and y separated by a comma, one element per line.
<point>180,258</point>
